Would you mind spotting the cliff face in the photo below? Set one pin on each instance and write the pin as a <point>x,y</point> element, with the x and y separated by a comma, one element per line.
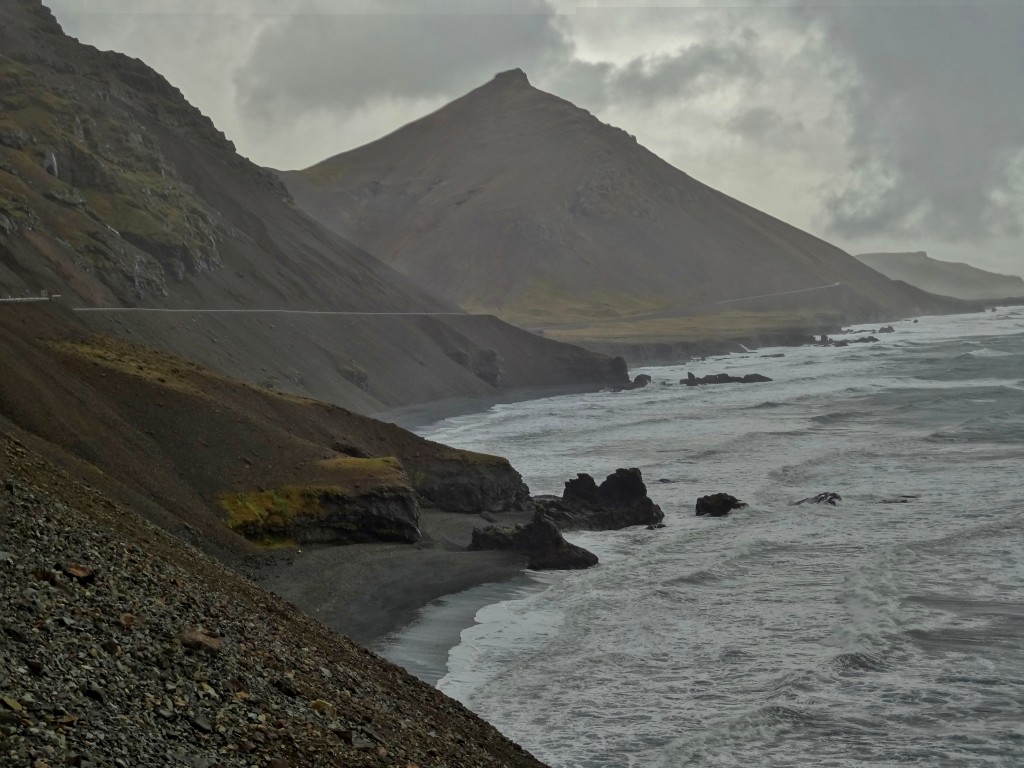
<point>945,277</point>
<point>115,191</point>
<point>514,201</point>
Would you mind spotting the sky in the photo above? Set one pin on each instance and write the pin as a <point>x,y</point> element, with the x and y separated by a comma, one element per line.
<point>879,126</point>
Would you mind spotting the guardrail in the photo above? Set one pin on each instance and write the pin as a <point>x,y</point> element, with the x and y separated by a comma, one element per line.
<point>27,299</point>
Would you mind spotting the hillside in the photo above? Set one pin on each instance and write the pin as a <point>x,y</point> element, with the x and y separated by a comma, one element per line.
<point>247,473</point>
<point>514,201</point>
<point>116,192</point>
<point>122,645</point>
<point>946,278</point>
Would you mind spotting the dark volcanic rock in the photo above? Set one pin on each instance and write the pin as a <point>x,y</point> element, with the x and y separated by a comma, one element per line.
<point>826,497</point>
<point>722,378</point>
<point>641,380</point>
<point>489,485</point>
<point>717,505</point>
<point>385,514</point>
<point>619,502</point>
<point>540,539</point>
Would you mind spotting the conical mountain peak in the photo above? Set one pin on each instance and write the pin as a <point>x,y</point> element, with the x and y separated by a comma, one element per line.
<point>511,77</point>
<point>514,201</point>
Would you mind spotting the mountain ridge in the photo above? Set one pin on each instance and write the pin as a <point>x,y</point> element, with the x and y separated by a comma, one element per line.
<point>514,201</point>
<point>948,278</point>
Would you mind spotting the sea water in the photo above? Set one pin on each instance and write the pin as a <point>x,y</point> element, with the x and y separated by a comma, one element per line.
<point>887,630</point>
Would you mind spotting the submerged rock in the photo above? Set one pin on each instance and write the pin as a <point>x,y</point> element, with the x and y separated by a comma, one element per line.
<point>717,505</point>
<point>619,502</point>
<point>540,539</point>
<point>826,497</point>
<point>722,378</point>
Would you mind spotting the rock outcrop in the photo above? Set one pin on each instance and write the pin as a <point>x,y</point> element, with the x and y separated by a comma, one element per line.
<point>540,539</point>
<point>325,515</point>
<point>722,378</point>
<point>717,505</point>
<point>488,485</point>
<point>619,502</point>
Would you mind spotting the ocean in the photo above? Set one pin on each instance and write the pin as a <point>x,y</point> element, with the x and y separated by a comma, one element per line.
<point>887,630</point>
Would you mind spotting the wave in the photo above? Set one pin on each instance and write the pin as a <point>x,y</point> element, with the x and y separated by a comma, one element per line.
<point>837,417</point>
<point>858,661</point>
<point>985,352</point>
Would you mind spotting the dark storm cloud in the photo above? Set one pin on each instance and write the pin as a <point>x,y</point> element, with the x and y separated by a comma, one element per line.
<point>341,61</point>
<point>936,119</point>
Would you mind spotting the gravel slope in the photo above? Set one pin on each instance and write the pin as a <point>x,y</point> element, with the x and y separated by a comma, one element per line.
<point>122,646</point>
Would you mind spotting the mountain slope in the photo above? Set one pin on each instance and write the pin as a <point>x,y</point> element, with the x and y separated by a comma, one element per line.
<point>946,278</point>
<point>116,192</point>
<point>515,201</point>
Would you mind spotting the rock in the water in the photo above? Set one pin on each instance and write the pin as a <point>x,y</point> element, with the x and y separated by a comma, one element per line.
<point>540,539</point>
<point>717,505</point>
<point>722,378</point>
<point>641,380</point>
<point>886,329</point>
<point>826,497</point>
<point>619,502</point>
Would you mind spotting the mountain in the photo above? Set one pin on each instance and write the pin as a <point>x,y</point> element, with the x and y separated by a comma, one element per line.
<point>946,278</point>
<point>514,201</point>
<point>116,192</point>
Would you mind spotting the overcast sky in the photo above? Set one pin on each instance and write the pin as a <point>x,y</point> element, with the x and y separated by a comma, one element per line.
<point>877,125</point>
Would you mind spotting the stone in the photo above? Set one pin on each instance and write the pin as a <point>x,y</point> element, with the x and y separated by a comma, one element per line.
<point>16,633</point>
<point>641,380</point>
<point>199,640</point>
<point>540,540</point>
<point>886,329</point>
<point>620,501</point>
<point>722,378</point>
<point>12,704</point>
<point>717,505</point>
<point>80,573</point>
<point>92,691</point>
<point>286,686</point>
<point>202,723</point>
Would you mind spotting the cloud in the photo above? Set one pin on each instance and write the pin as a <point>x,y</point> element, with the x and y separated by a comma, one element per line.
<point>935,121</point>
<point>647,81</point>
<point>322,61</point>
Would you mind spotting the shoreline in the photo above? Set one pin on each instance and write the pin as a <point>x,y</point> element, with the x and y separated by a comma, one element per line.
<point>422,646</point>
<point>370,591</point>
<point>417,415</point>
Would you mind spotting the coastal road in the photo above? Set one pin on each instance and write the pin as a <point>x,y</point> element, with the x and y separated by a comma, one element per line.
<point>264,311</point>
